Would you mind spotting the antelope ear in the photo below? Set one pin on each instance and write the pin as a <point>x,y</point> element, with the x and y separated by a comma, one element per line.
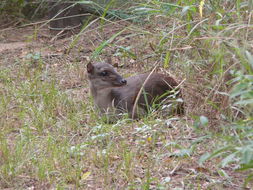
<point>90,68</point>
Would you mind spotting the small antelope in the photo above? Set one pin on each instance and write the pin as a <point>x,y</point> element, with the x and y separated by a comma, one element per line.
<point>114,95</point>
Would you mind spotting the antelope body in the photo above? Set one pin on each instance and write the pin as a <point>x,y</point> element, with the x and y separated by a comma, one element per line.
<point>113,94</point>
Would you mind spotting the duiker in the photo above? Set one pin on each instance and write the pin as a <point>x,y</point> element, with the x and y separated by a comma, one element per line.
<point>114,95</point>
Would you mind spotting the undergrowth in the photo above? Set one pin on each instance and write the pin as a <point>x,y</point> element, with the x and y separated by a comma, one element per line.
<point>52,137</point>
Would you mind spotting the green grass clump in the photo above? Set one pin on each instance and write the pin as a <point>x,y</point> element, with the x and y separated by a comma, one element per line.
<point>12,6</point>
<point>52,137</point>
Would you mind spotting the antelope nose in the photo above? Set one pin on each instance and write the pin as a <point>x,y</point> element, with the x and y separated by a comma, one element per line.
<point>123,81</point>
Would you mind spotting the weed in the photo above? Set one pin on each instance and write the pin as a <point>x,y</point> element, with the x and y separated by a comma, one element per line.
<point>52,137</point>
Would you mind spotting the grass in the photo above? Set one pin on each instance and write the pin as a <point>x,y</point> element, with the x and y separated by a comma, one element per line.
<point>51,137</point>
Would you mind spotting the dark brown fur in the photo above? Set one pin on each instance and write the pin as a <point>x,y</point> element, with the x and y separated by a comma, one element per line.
<point>111,93</point>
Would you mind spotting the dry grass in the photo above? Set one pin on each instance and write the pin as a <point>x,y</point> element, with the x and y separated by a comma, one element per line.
<point>51,136</point>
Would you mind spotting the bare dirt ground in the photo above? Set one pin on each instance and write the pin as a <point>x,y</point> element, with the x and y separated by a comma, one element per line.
<point>67,66</point>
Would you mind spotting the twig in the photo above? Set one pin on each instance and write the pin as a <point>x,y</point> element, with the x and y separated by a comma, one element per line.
<point>140,91</point>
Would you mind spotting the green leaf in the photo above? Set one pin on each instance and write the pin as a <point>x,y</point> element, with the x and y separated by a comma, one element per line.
<point>203,120</point>
<point>85,175</point>
<point>228,159</point>
<point>105,43</point>
<point>204,157</point>
<point>185,10</point>
<point>245,102</point>
<point>216,153</point>
<point>201,139</point>
<point>247,156</point>
<point>86,2</point>
<point>223,173</point>
<point>245,167</point>
<point>36,56</point>
<point>166,61</point>
<point>239,93</point>
<point>106,10</point>
<point>183,152</point>
<point>248,179</point>
<point>250,58</point>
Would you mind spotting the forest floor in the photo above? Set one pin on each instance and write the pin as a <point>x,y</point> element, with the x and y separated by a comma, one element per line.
<point>52,138</point>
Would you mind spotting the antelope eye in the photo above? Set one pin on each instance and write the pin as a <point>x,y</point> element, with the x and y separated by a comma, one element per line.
<point>104,73</point>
